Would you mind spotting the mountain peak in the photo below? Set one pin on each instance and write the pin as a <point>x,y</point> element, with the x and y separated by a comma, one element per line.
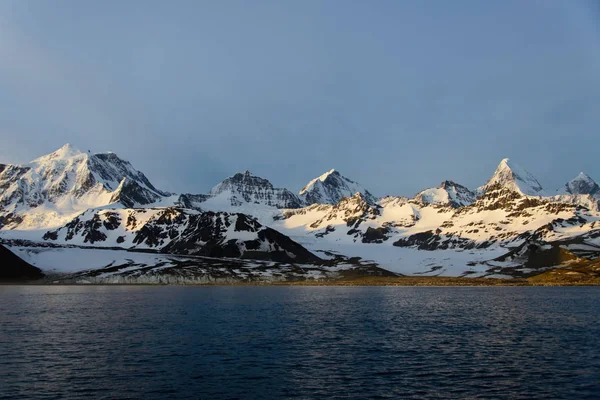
<point>581,184</point>
<point>66,152</point>
<point>68,181</point>
<point>514,177</point>
<point>254,189</point>
<point>330,172</point>
<point>330,188</point>
<point>448,184</point>
<point>323,177</point>
<point>449,193</point>
<point>583,176</point>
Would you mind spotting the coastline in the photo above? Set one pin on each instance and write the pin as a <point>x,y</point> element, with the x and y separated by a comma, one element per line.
<point>407,281</point>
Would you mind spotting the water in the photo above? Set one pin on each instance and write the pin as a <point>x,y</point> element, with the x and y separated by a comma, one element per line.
<point>299,342</point>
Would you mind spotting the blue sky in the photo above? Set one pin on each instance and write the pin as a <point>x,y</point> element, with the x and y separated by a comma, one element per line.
<point>398,95</point>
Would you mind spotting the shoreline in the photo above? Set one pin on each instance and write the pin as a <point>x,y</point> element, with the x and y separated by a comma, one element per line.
<point>405,281</point>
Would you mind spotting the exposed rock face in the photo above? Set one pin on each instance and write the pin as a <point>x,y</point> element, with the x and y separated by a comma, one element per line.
<point>330,188</point>
<point>515,218</point>
<point>253,189</point>
<point>67,182</point>
<point>584,200</point>
<point>179,231</point>
<point>193,201</point>
<point>86,200</point>
<point>111,169</point>
<point>13,269</point>
<point>582,184</point>
<point>537,254</point>
<point>500,217</point>
<point>447,194</point>
<point>515,178</point>
<point>130,193</point>
<point>351,210</point>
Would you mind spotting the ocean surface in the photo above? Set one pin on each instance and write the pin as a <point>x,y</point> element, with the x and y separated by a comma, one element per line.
<point>161,342</point>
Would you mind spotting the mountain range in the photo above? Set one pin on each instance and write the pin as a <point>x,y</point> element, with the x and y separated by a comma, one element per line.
<point>69,201</point>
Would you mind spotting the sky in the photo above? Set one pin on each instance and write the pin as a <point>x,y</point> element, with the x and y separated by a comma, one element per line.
<point>397,95</point>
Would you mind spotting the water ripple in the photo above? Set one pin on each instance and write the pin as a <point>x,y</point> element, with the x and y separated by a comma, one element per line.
<point>299,342</point>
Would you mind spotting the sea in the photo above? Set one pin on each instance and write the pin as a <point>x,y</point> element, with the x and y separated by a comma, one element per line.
<point>297,342</point>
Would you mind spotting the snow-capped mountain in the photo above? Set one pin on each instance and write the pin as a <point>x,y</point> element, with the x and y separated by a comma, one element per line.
<point>330,188</point>
<point>501,218</point>
<point>248,188</point>
<point>321,219</point>
<point>581,190</point>
<point>73,199</point>
<point>581,184</point>
<point>174,230</point>
<point>468,235</point>
<point>514,177</point>
<point>52,189</point>
<point>447,194</point>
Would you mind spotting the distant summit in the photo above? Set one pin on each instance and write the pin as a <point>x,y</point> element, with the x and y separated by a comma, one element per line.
<point>581,184</point>
<point>515,178</point>
<point>74,199</point>
<point>448,194</point>
<point>330,188</point>
<point>66,182</point>
<point>250,188</point>
<point>65,152</point>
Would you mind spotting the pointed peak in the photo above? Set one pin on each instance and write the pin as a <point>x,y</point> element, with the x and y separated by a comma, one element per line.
<point>583,175</point>
<point>65,152</point>
<point>327,174</point>
<point>330,188</point>
<point>514,177</point>
<point>505,164</point>
<point>581,184</point>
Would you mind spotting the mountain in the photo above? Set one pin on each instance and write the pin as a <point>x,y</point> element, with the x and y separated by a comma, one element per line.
<point>330,188</point>
<point>172,230</point>
<point>583,200</point>
<point>447,217</point>
<point>70,202</point>
<point>434,239</point>
<point>248,188</point>
<point>581,184</point>
<point>447,194</point>
<point>581,190</point>
<point>515,178</point>
<point>52,189</point>
<point>344,216</point>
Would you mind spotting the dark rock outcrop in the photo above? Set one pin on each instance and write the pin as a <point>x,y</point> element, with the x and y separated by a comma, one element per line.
<point>14,269</point>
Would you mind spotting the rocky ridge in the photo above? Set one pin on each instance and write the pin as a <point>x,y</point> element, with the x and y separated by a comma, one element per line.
<point>85,200</point>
